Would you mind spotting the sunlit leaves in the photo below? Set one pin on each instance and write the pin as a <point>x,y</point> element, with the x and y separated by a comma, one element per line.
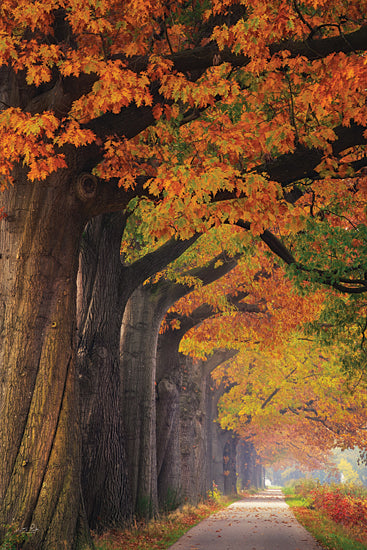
<point>26,139</point>
<point>295,402</point>
<point>116,88</point>
<point>32,140</point>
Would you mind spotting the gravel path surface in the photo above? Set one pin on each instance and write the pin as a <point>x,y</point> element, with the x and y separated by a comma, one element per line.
<point>261,522</point>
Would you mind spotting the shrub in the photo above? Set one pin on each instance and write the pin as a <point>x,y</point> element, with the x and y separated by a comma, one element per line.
<point>214,495</point>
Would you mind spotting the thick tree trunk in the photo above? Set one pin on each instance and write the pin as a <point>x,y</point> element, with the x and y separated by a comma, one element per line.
<point>100,307</point>
<point>39,412</point>
<point>143,316</point>
<point>169,383</point>
<point>250,470</point>
<point>245,464</point>
<point>138,368</point>
<point>105,285</point>
<point>171,369</point>
<point>229,465</point>
<point>198,429</point>
<point>168,445</point>
<point>221,466</point>
<point>192,432</point>
<point>224,460</point>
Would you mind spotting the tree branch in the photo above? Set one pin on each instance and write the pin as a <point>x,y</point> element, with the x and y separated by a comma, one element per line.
<point>199,59</point>
<point>154,261</point>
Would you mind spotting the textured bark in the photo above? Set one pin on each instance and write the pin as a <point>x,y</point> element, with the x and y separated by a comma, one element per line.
<point>138,350</point>
<point>202,440</point>
<point>139,337</point>
<point>250,470</point>
<point>229,465</point>
<point>193,442</point>
<point>222,444</point>
<point>169,384</point>
<point>105,285</point>
<point>100,305</point>
<point>170,367</point>
<point>168,445</point>
<point>39,427</point>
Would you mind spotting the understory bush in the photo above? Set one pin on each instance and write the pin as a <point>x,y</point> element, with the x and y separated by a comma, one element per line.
<point>343,505</point>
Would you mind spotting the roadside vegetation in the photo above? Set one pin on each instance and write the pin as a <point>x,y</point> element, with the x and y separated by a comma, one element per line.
<point>335,514</point>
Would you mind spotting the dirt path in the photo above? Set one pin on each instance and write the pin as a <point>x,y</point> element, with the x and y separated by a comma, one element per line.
<point>261,522</point>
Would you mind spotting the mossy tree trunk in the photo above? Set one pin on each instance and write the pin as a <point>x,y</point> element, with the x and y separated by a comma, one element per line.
<point>40,451</point>
<point>39,409</point>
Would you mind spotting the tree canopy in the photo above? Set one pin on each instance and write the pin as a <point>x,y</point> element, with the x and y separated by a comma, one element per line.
<point>189,103</point>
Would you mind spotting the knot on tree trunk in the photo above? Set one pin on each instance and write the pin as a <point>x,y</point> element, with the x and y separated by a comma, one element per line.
<point>86,186</point>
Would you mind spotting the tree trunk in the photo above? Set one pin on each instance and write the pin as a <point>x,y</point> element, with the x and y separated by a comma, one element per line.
<point>192,431</point>
<point>138,368</point>
<point>140,329</point>
<point>39,411</point>
<point>168,445</point>
<point>245,461</point>
<point>198,430</point>
<point>105,285</point>
<point>169,383</point>
<point>250,469</point>
<point>101,304</point>
<point>229,465</point>
<point>221,468</point>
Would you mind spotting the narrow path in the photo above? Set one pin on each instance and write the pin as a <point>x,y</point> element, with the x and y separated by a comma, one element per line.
<point>261,522</point>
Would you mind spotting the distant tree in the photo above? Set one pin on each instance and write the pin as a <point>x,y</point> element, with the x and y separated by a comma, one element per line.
<point>349,475</point>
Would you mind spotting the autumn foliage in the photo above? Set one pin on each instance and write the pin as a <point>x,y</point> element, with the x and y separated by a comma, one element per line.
<point>260,95</point>
<point>342,508</point>
<point>286,392</point>
<point>241,121</point>
<point>343,504</point>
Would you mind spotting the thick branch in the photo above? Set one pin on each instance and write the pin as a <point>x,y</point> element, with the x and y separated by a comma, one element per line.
<point>219,356</point>
<point>205,311</point>
<point>358,286</point>
<point>286,169</point>
<point>199,59</point>
<point>349,286</point>
<point>155,261</point>
<point>292,167</point>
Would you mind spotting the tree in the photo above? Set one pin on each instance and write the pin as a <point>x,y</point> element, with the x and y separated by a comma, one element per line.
<point>141,323</point>
<point>118,90</point>
<point>302,402</point>
<point>349,474</point>
<point>285,382</point>
<point>106,282</point>
<point>186,409</point>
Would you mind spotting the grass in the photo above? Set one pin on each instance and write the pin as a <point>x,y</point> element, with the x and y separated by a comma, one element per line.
<point>160,533</point>
<point>329,534</point>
